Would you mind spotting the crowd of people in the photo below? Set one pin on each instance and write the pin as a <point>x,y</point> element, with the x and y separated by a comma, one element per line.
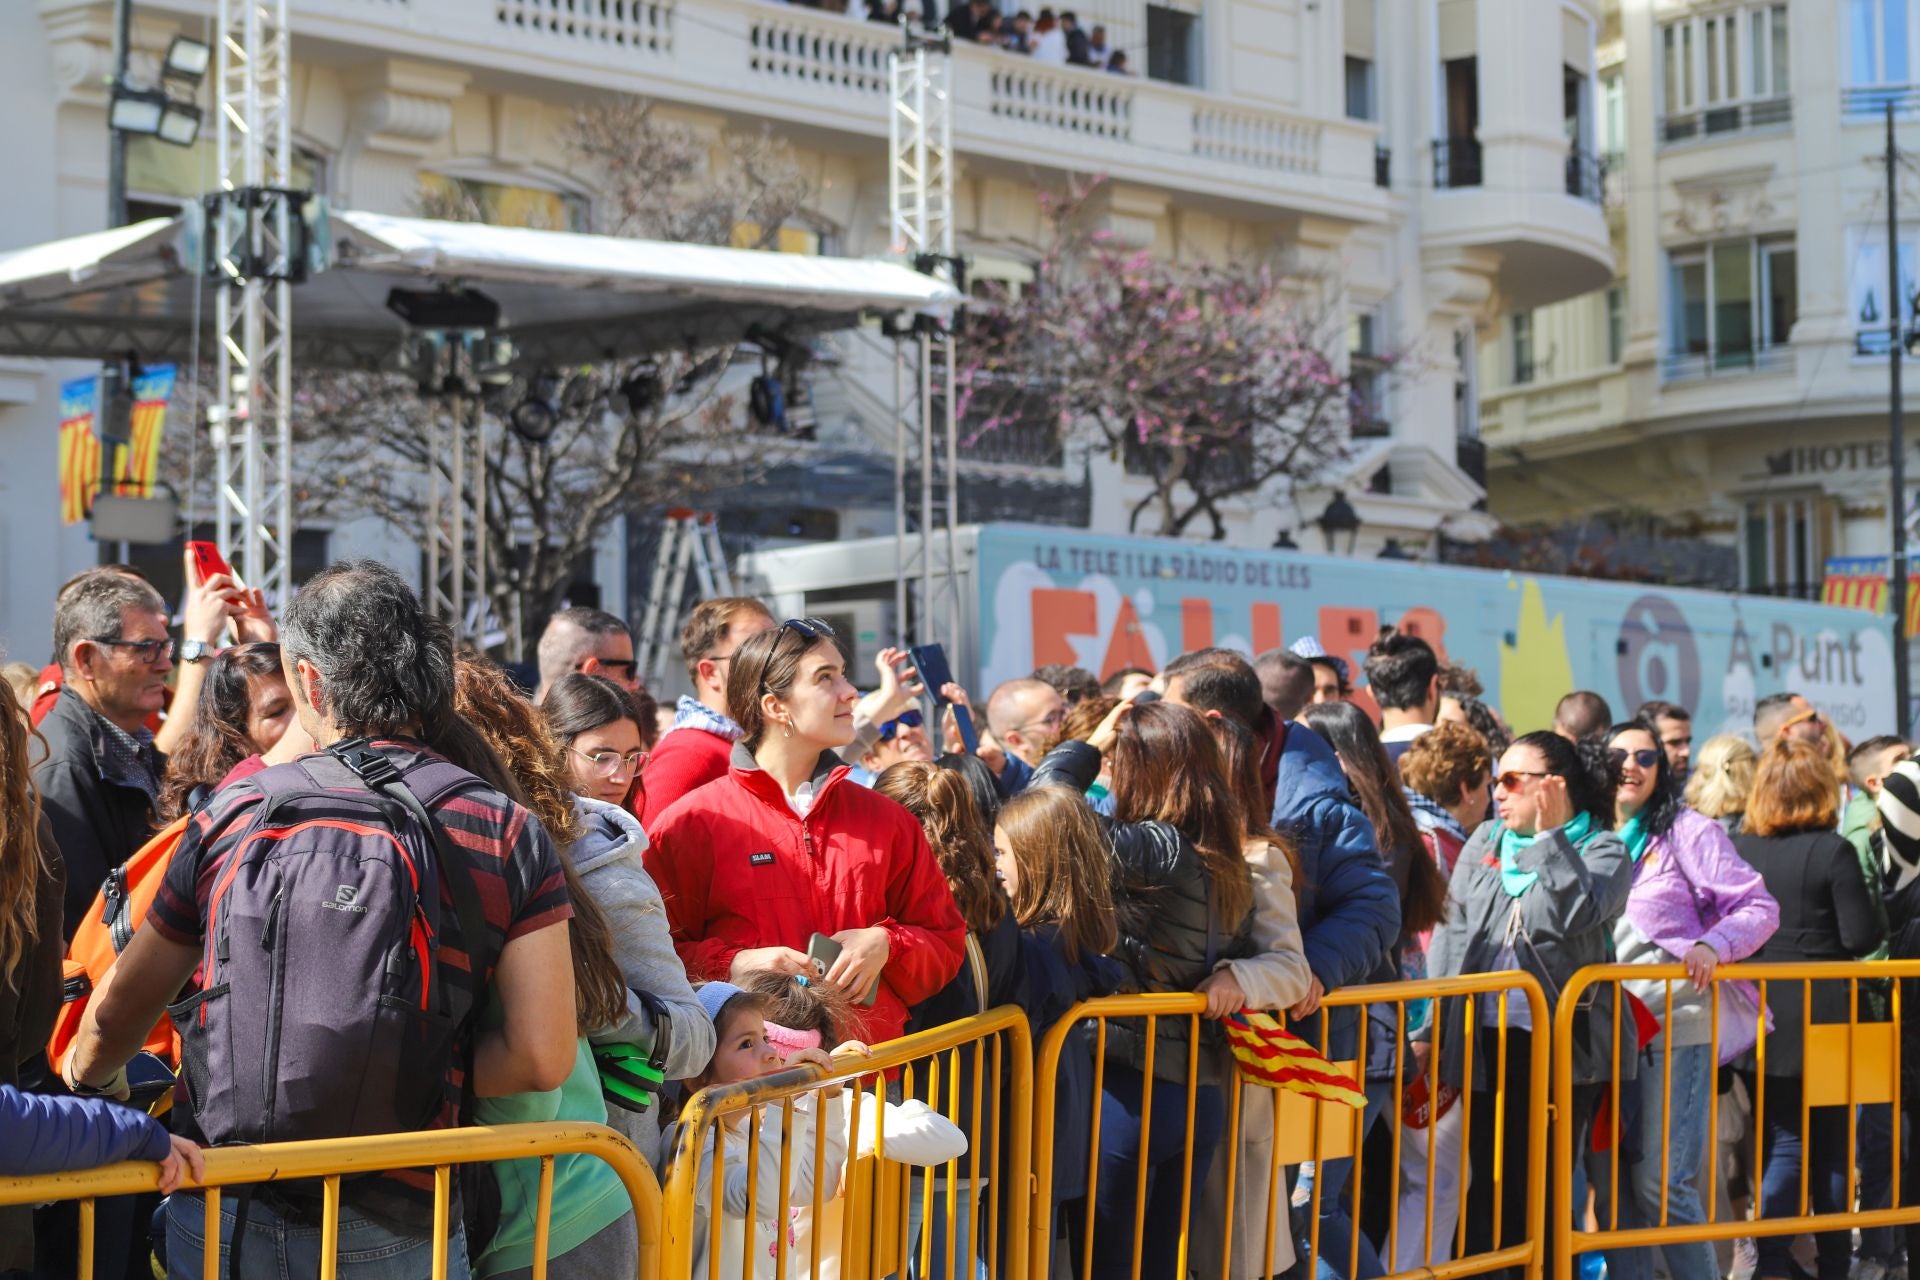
<point>340,877</point>
<point>1046,35</point>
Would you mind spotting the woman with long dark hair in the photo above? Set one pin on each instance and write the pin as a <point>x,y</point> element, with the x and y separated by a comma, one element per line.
<point>1696,902</point>
<point>243,709</point>
<point>1538,889</point>
<point>1183,898</point>
<point>1273,976</point>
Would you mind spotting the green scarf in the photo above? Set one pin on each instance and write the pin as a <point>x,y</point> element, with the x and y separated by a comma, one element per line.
<point>1634,832</point>
<point>1512,878</point>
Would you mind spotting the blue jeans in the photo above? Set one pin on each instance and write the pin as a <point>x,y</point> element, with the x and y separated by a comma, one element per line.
<point>1827,1160</point>
<point>277,1249</point>
<point>1336,1215</point>
<point>1123,1146</point>
<point>1874,1153</point>
<point>937,1228</point>
<point>1691,1090</point>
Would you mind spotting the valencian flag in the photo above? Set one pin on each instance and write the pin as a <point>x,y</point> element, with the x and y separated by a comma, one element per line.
<point>137,463</point>
<point>1270,1054</point>
<point>79,448</point>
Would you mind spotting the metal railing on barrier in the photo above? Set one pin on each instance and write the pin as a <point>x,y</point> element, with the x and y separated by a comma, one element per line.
<point>1267,1130</point>
<point>328,1160</point>
<point>976,1073</point>
<point>1762,1018</point>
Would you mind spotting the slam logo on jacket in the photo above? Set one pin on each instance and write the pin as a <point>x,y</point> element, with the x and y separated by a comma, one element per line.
<point>760,859</point>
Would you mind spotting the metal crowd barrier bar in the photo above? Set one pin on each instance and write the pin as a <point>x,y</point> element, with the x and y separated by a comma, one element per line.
<point>1844,1063</point>
<point>332,1158</point>
<point>861,1216</point>
<point>1268,1131</point>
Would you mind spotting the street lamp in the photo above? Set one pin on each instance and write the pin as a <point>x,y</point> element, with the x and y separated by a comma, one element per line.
<point>1284,541</point>
<point>1394,551</point>
<point>1339,525</point>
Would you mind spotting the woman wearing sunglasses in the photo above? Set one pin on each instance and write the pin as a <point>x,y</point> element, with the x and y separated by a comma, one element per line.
<point>786,846</point>
<point>1697,903</point>
<point>601,732</point>
<point>1538,888</point>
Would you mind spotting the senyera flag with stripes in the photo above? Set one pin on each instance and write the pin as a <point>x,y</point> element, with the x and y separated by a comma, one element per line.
<point>1270,1054</point>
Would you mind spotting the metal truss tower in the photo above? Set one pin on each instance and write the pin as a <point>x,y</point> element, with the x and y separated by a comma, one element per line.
<point>920,224</point>
<point>256,244</point>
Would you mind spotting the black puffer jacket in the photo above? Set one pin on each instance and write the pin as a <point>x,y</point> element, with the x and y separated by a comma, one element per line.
<point>1171,936</point>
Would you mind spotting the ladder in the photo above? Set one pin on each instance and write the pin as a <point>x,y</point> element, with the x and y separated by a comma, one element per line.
<point>689,539</point>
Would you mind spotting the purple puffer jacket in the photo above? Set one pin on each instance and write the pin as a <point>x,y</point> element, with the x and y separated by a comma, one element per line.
<point>1691,886</point>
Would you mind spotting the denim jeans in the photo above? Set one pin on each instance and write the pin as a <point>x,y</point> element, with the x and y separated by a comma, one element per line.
<point>936,1227</point>
<point>1336,1215</point>
<point>1163,1146</point>
<point>1874,1155</point>
<point>1684,1107</point>
<point>1827,1160</point>
<point>278,1249</point>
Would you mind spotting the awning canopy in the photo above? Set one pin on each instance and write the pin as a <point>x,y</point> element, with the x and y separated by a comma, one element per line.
<point>564,298</point>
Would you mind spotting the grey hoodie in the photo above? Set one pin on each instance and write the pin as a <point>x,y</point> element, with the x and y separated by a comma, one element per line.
<point>607,859</point>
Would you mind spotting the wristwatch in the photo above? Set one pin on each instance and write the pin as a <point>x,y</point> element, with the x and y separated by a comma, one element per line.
<point>196,651</point>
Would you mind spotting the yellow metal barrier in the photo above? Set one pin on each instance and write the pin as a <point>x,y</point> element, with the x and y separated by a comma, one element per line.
<point>333,1158</point>
<point>1845,1064</point>
<point>1306,1130</point>
<point>878,1194</point>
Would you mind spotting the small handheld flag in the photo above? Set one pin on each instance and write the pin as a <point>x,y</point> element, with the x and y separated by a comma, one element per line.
<point>1270,1054</point>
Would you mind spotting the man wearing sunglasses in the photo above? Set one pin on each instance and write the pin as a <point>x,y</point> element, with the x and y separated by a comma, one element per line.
<point>902,738</point>
<point>590,641</point>
<point>1787,715</point>
<point>101,776</point>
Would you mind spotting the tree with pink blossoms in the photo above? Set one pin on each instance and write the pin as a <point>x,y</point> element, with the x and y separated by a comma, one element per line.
<point>1213,381</point>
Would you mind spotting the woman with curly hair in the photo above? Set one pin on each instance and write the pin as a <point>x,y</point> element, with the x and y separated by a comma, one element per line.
<point>243,709</point>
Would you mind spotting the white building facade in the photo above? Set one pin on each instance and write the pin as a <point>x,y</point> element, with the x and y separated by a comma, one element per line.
<point>1435,157</point>
<point>1730,386</point>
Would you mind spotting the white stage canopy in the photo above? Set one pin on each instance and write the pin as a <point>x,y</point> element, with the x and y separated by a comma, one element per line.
<point>564,298</point>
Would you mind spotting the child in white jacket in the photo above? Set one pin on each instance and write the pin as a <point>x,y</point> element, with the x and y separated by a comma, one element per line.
<point>748,1045</point>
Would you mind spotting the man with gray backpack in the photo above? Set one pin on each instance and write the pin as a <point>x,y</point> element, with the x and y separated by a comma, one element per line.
<point>349,916</point>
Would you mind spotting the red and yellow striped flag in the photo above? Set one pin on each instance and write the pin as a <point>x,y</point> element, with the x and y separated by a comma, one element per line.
<point>79,449</point>
<point>1270,1054</point>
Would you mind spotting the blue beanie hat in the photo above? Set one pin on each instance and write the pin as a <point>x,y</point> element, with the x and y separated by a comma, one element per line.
<point>713,997</point>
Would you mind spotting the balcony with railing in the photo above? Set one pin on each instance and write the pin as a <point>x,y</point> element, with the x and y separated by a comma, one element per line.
<point>1734,117</point>
<point>807,68</point>
<point>1586,177</point>
<point>1682,366</point>
<point>1457,162</point>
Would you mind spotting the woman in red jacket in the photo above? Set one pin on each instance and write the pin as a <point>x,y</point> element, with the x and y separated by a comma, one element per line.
<point>753,864</point>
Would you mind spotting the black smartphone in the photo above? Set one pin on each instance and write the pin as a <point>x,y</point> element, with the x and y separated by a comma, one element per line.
<point>930,660</point>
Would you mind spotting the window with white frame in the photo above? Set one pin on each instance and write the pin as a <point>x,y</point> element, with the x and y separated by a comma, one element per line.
<point>1616,322</point>
<point>1785,544</point>
<point>1522,347</point>
<point>1724,71</point>
<point>1730,303</point>
<point>1367,368</point>
<point>1879,54</point>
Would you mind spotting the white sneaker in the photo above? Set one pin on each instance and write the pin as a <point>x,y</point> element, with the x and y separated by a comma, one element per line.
<point>1746,1259</point>
<point>1869,1269</point>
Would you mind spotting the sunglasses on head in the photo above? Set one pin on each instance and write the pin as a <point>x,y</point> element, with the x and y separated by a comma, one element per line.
<point>1645,757</point>
<point>812,628</point>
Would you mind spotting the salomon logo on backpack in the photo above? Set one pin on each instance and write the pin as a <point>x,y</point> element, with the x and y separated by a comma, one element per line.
<point>324,1012</point>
